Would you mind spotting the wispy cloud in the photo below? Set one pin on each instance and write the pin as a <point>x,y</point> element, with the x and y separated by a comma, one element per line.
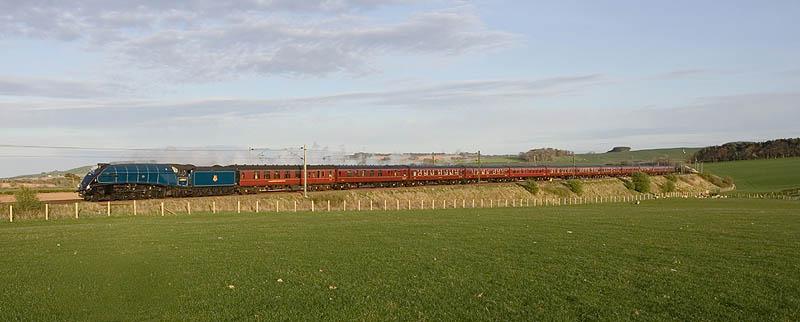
<point>57,88</point>
<point>448,95</point>
<point>199,41</point>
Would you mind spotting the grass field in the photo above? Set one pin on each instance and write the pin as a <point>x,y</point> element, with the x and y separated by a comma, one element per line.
<point>690,259</point>
<point>760,175</point>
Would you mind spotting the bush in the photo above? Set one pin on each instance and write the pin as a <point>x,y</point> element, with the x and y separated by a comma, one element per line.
<point>531,186</point>
<point>669,186</point>
<point>27,200</point>
<point>717,181</point>
<point>627,183</point>
<point>641,182</point>
<point>672,177</point>
<point>575,186</point>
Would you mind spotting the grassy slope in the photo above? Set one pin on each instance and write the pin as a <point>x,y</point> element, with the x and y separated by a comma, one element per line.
<point>673,154</point>
<point>760,175</point>
<point>669,259</point>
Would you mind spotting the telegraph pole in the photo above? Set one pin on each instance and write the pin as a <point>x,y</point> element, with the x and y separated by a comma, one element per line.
<point>479,166</point>
<point>305,172</point>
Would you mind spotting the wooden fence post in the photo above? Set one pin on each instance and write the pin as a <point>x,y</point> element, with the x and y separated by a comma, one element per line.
<point>409,203</point>
<point>359,204</point>
<point>162,209</point>
<point>213,207</point>
<point>329,205</point>
<point>491,203</point>
<point>370,204</point>
<point>76,210</point>
<point>481,203</point>
<point>473,203</point>
<point>384,204</point>
<point>463,203</point>
<point>10,213</point>
<point>398,204</point>
<point>46,211</point>
<point>134,208</point>
<point>344,205</point>
<point>422,204</point>
<point>433,204</point>
<point>189,207</point>
<point>238,206</point>
<point>108,208</point>
<point>312,205</point>
<point>256,206</point>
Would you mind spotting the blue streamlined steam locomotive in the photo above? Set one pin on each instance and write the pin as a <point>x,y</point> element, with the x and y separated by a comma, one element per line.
<point>142,181</point>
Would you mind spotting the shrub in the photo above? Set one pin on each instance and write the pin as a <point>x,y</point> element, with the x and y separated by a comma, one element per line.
<point>627,183</point>
<point>575,186</point>
<point>728,180</point>
<point>672,177</point>
<point>641,182</point>
<point>717,181</point>
<point>669,186</point>
<point>531,186</point>
<point>27,200</point>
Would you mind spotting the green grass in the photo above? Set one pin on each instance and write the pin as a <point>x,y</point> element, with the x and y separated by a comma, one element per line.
<point>728,260</point>
<point>759,175</point>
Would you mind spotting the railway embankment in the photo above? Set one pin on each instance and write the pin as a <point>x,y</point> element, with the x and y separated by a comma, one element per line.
<point>425,197</point>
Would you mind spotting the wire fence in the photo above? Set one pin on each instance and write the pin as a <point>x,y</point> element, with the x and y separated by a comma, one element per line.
<point>178,207</point>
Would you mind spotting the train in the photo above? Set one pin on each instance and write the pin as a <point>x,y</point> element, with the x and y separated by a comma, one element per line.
<point>126,181</point>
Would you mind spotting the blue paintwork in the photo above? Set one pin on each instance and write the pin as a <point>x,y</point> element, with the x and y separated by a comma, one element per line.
<point>206,178</point>
<point>152,174</point>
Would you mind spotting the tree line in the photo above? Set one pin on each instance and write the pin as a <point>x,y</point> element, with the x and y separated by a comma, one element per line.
<point>780,148</point>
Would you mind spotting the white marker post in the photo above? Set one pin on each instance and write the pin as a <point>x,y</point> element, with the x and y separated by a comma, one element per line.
<point>256,206</point>
<point>162,209</point>
<point>46,212</point>
<point>108,208</point>
<point>188,207</point>
<point>10,213</point>
<point>76,210</point>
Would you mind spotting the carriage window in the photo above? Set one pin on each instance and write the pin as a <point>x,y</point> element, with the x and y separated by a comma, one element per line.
<point>255,175</point>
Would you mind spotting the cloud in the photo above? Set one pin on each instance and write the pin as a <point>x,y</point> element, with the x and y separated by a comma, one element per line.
<point>686,73</point>
<point>199,41</point>
<point>448,95</point>
<point>43,87</point>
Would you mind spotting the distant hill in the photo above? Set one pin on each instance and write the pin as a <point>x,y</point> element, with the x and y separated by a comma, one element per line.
<point>80,172</point>
<point>610,158</point>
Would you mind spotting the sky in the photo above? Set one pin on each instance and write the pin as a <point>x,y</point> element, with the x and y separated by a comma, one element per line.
<point>387,76</point>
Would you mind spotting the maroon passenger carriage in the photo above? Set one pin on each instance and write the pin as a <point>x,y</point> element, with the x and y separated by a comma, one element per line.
<point>276,178</point>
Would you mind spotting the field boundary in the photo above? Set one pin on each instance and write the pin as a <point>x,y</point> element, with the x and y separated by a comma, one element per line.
<point>134,208</point>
